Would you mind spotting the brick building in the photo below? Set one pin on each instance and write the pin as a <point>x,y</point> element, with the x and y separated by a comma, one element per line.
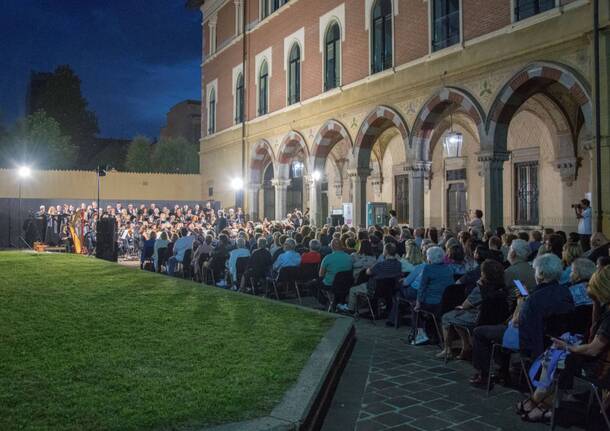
<point>183,121</point>
<point>436,107</point>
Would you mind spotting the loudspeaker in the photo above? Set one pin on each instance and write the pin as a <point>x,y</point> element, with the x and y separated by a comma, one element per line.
<point>106,246</point>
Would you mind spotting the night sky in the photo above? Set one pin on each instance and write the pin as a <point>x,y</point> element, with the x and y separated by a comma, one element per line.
<point>135,58</point>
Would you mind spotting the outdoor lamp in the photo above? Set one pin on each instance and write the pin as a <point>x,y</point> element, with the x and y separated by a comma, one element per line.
<point>316,175</point>
<point>237,184</point>
<point>453,144</point>
<point>24,172</point>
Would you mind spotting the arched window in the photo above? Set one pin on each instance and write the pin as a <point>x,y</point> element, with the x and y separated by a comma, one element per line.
<point>294,74</point>
<point>332,57</point>
<point>382,36</point>
<point>212,112</point>
<point>239,99</point>
<point>263,89</point>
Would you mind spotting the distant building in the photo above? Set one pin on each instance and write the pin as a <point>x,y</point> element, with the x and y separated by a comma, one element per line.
<point>184,121</point>
<point>36,86</point>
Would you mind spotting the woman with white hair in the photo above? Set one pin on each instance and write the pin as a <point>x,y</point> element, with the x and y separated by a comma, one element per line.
<point>435,278</point>
<point>240,251</point>
<point>582,271</point>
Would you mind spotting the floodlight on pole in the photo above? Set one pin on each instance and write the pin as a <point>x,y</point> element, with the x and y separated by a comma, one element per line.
<point>237,184</point>
<point>24,171</point>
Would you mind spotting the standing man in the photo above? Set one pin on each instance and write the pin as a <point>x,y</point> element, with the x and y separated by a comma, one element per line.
<point>583,214</point>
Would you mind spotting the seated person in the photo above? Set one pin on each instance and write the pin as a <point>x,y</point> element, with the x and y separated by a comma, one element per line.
<point>549,298</point>
<point>313,255</point>
<point>260,262</point>
<point>590,359</point>
<point>495,249</point>
<point>435,278</point>
<point>160,242</point>
<point>363,259</point>
<point>336,262</point>
<point>240,251</point>
<point>148,248</point>
<point>599,246</point>
<point>413,257</point>
<point>489,287</point>
<point>582,271</point>
<point>519,268</point>
<point>389,267</point>
<point>182,244</point>
<point>289,258</point>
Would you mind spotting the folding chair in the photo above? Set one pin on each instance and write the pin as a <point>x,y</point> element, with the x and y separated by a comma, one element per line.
<point>384,289</point>
<point>240,269</point>
<point>287,277</point>
<point>340,288</point>
<point>186,264</point>
<point>308,273</point>
<point>161,258</point>
<point>491,312</point>
<point>453,295</point>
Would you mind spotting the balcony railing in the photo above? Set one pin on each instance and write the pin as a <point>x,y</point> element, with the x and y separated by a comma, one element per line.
<point>526,8</point>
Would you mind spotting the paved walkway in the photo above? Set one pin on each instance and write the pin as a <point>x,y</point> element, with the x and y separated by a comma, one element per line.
<point>389,385</point>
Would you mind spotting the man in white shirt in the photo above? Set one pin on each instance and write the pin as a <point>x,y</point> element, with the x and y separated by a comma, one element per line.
<point>184,243</point>
<point>583,214</point>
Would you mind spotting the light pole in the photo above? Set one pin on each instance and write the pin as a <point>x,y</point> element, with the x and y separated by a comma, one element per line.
<point>237,184</point>
<point>24,172</point>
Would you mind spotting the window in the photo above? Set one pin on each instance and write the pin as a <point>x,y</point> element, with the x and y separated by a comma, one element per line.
<point>382,36</point>
<point>276,4</point>
<point>264,9</point>
<point>332,57</point>
<point>239,99</point>
<point>212,112</point>
<point>445,23</point>
<point>526,8</point>
<point>263,89</point>
<point>526,193</point>
<point>270,6</point>
<point>294,74</point>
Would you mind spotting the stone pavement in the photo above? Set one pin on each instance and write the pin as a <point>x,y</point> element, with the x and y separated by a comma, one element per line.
<point>390,385</point>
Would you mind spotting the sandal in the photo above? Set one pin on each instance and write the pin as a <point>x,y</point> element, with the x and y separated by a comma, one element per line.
<point>545,416</point>
<point>520,408</point>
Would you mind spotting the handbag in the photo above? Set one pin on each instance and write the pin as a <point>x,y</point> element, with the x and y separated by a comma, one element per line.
<point>510,340</point>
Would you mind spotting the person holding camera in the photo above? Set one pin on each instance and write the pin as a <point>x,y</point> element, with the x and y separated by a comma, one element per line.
<point>583,214</point>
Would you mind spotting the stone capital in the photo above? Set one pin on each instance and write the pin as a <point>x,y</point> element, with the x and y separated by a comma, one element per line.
<point>359,172</point>
<point>280,183</point>
<point>567,168</point>
<point>213,20</point>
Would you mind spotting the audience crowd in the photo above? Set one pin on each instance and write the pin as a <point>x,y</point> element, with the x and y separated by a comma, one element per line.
<point>483,296</point>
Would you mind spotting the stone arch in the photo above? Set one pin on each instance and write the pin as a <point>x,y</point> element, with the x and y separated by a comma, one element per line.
<point>260,157</point>
<point>329,134</point>
<point>292,143</point>
<point>375,123</point>
<point>555,81</point>
<point>447,100</point>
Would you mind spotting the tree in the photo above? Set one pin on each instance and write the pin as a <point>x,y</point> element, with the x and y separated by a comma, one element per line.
<point>139,155</point>
<point>37,140</point>
<point>61,98</point>
<point>175,155</point>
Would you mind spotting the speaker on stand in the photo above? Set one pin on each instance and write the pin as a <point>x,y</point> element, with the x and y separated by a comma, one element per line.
<point>106,247</point>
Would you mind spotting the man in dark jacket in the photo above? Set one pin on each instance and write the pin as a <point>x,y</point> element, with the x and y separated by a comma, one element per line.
<point>549,299</point>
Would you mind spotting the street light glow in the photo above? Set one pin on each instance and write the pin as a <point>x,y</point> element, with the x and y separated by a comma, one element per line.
<point>237,184</point>
<point>316,175</point>
<point>24,172</point>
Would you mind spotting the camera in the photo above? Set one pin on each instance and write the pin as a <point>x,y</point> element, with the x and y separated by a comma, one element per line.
<point>577,206</point>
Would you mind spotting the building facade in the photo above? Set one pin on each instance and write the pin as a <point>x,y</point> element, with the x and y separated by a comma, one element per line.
<point>183,121</point>
<point>436,107</point>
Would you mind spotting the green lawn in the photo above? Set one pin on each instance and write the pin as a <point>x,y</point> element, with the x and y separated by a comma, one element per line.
<point>89,345</point>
